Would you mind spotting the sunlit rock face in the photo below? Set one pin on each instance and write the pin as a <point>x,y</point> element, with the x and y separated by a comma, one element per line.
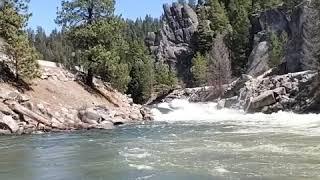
<point>173,44</point>
<point>300,27</point>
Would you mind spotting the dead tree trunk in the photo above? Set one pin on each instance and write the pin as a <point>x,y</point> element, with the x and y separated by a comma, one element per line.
<point>26,112</point>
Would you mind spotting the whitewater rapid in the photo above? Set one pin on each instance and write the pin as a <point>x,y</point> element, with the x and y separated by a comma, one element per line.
<point>186,142</point>
<point>186,112</point>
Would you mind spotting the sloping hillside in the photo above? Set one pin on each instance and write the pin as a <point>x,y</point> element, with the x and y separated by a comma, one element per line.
<point>59,101</point>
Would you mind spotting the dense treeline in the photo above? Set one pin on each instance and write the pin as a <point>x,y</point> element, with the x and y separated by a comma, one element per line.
<point>56,47</point>
<point>232,18</point>
<point>53,47</point>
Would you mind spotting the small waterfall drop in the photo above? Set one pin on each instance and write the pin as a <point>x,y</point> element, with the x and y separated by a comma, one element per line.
<point>183,111</point>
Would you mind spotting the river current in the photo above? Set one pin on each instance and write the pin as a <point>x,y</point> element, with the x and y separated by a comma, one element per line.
<point>186,142</point>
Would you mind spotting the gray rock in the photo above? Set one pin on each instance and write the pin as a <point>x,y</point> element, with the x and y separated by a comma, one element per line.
<point>301,53</point>
<point>4,109</point>
<point>290,92</point>
<point>135,116</point>
<point>5,132</point>
<point>230,102</point>
<point>300,25</point>
<point>265,99</point>
<point>94,115</point>
<point>42,109</point>
<point>280,91</point>
<point>9,123</point>
<point>295,92</point>
<point>173,44</point>
<point>221,104</point>
<point>104,125</point>
<point>28,105</point>
<point>146,114</point>
<point>14,95</point>
<point>259,60</point>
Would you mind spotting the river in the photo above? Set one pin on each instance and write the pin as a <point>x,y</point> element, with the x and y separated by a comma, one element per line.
<point>186,142</point>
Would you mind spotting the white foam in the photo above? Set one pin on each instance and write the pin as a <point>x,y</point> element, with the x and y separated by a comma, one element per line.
<point>219,171</point>
<point>141,167</point>
<point>138,156</point>
<point>182,110</point>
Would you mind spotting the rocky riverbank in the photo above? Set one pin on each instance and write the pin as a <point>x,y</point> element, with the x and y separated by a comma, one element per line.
<point>296,92</point>
<point>58,101</point>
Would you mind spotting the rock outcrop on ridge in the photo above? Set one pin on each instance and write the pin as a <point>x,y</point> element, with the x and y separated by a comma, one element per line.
<point>173,44</point>
<point>302,46</point>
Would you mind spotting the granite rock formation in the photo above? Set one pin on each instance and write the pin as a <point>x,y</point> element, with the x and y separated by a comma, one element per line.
<point>302,46</point>
<point>173,44</point>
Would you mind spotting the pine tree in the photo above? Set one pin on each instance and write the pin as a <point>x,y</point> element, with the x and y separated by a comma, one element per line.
<point>218,17</point>
<point>164,77</point>
<point>213,20</point>
<point>199,70</point>
<point>97,34</point>
<point>142,74</point>
<point>13,18</point>
<point>40,43</point>
<point>277,45</point>
<point>240,39</point>
<point>261,5</point>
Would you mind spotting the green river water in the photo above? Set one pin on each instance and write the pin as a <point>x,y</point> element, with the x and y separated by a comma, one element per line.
<point>186,142</point>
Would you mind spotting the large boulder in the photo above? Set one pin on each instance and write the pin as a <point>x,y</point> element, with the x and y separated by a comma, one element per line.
<point>95,115</point>
<point>297,92</point>
<point>8,123</point>
<point>265,99</point>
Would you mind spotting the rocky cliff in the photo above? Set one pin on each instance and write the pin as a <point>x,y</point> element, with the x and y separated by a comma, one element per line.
<point>173,44</point>
<point>302,46</point>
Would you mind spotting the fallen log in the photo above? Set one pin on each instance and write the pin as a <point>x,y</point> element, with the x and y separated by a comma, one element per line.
<point>24,111</point>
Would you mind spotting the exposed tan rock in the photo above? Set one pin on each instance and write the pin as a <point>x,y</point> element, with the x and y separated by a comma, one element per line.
<point>57,102</point>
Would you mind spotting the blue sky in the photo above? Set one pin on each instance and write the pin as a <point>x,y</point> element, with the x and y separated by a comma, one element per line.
<point>44,11</point>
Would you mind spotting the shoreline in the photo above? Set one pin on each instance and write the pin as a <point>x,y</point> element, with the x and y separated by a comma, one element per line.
<point>59,101</point>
